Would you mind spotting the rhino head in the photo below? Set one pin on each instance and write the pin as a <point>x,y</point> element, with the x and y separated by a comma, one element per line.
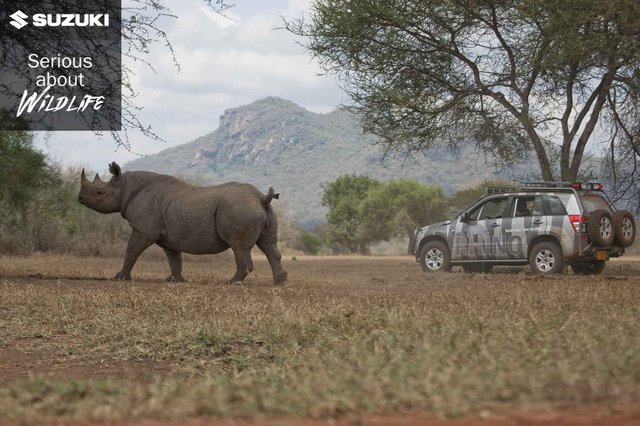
<point>103,197</point>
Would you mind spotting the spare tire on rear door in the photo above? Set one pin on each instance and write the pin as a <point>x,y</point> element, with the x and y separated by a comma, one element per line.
<point>624,227</point>
<point>600,228</point>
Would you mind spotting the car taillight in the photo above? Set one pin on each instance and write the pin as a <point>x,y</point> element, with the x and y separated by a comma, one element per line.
<point>578,222</point>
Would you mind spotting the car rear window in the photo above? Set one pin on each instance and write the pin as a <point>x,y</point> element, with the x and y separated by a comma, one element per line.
<point>591,202</point>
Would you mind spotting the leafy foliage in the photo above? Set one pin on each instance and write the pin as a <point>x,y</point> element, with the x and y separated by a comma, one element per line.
<point>39,209</point>
<point>343,197</point>
<point>310,242</point>
<point>23,169</point>
<point>397,207</point>
<point>363,211</point>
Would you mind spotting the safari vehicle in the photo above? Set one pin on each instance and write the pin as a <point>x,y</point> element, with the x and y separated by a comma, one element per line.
<point>544,224</point>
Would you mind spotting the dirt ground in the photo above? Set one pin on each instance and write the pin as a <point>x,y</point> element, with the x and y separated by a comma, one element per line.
<point>499,416</point>
<point>40,356</point>
<point>573,416</point>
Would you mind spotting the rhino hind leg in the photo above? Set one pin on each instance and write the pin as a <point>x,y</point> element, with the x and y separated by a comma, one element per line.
<point>270,249</point>
<point>244,263</point>
<point>175,263</point>
<point>136,245</point>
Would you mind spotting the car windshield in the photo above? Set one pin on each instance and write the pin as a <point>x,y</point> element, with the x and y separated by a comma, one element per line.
<point>592,201</point>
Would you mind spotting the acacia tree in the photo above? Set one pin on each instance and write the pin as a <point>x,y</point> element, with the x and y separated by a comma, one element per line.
<point>513,76</point>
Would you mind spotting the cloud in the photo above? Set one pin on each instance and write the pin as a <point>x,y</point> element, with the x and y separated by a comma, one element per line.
<point>224,62</point>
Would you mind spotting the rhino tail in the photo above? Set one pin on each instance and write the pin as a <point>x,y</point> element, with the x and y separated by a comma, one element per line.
<point>266,199</point>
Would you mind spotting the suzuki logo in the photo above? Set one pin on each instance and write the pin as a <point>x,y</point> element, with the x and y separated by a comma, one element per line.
<point>18,19</point>
<point>60,20</point>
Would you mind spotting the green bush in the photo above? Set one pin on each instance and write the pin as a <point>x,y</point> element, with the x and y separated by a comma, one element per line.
<point>309,242</point>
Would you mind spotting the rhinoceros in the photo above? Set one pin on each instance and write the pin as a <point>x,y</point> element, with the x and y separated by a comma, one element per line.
<point>183,218</point>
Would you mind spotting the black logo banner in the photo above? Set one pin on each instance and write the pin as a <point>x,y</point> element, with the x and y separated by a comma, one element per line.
<point>60,65</point>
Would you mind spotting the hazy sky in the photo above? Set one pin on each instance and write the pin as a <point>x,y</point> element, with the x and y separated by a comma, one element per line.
<point>224,63</point>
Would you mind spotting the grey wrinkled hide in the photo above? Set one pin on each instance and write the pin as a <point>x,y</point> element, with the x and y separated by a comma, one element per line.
<point>183,218</point>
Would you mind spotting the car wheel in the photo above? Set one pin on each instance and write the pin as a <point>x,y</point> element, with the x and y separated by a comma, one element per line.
<point>546,258</point>
<point>600,228</point>
<point>477,268</point>
<point>624,227</point>
<point>588,268</point>
<point>435,257</point>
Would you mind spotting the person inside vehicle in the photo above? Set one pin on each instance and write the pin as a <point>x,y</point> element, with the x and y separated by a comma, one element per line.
<point>521,208</point>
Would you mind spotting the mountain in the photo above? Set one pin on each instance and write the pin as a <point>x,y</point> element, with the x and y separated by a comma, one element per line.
<point>274,142</point>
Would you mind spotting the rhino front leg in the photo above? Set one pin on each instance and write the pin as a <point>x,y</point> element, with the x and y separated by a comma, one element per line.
<point>137,244</point>
<point>244,264</point>
<point>175,263</point>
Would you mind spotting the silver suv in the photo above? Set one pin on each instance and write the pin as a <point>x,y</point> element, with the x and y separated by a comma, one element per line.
<point>547,225</point>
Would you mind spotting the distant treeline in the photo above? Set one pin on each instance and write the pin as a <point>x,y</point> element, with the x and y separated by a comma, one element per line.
<point>39,209</point>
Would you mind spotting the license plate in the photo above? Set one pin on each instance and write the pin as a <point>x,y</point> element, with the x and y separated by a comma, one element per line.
<point>602,255</point>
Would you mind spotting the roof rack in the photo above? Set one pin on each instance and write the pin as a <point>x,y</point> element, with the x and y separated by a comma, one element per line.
<point>587,186</point>
<point>545,184</point>
<point>498,189</point>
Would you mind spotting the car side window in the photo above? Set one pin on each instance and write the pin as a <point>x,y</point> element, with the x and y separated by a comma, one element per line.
<point>554,206</point>
<point>493,209</point>
<point>528,206</point>
<point>538,209</point>
<point>473,216</point>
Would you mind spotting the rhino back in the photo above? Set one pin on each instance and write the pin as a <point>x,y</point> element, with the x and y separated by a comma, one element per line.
<point>210,219</point>
<point>195,219</point>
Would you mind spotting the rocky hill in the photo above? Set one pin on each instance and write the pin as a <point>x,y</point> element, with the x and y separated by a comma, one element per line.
<point>274,142</point>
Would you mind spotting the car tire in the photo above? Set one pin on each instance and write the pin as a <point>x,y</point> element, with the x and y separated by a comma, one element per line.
<point>624,227</point>
<point>588,268</point>
<point>600,228</point>
<point>435,257</point>
<point>477,268</point>
<point>545,258</point>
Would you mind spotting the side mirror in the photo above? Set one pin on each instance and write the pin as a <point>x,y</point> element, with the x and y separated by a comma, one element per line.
<point>465,218</point>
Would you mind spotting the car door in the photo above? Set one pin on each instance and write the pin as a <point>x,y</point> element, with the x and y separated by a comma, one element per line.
<point>526,219</point>
<point>475,239</point>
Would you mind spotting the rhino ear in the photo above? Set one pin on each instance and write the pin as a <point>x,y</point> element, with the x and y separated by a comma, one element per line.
<point>114,169</point>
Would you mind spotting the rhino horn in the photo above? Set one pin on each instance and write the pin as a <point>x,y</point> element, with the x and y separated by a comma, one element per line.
<point>97,180</point>
<point>83,178</point>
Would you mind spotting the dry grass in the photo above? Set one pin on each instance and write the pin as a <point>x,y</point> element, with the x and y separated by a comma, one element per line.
<point>345,335</point>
